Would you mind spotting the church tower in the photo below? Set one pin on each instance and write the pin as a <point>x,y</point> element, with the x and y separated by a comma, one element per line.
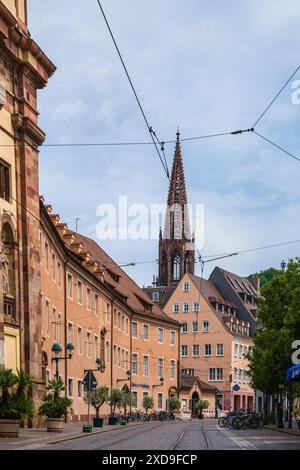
<point>176,243</point>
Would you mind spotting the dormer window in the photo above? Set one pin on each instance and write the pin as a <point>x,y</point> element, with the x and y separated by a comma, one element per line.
<point>155,296</point>
<point>186,287</point>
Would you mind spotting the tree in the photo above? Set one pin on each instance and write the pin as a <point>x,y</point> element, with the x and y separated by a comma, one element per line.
<point>202,405</point>
<point>148,403</point>
<point>265,276</point>
<point>97,398</point>
<point>13,405</point>
<point>174,404</point>
<point>278,327</point>
<point>115,399</point>
<point>127,400</point>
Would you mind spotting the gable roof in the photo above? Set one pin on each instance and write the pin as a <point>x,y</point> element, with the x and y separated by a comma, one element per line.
<point>188,381</point>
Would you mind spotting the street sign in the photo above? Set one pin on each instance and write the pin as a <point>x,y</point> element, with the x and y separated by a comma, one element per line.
<point>236,388</point>
<point>125,389</point>
<point>89,382</point>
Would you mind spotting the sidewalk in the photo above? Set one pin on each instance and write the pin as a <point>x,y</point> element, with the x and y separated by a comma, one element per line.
<point>294,431</point>
<point>38,437</point>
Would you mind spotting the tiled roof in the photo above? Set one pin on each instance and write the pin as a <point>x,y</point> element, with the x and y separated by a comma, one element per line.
<point>137,299</point>
<point>188,381</point>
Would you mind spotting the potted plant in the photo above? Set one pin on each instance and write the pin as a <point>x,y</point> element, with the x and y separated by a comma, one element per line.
<point>174,404</point>
<point>202,405</point>
<point>148,403</point>
<point>115,400</point>
<point>24,386</point>
<point>126,401</point>
<point>96,399</point>
<point>13,404</point>
<point>54,406</point>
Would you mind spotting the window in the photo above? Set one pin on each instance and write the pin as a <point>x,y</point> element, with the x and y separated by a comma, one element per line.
<point>134,399</point>
<point>207,350</point>
<point>175,307</point>
<point>79,388</point>
<point>119,320</point>
<point>96,346</point>
<point>215,374</point>
<point>190,372</point>
<point>172,369</point>
<point>58,273</point>
<point>146,332</point>
<point>240,351</point>
<point>160,335</point>
<point>107,355</point>
<point>205,326</point>
<point>185,307</point>
<point>235,375</point>
<point>145,366</point>
<point>134,363</point>
<point>160,367</point>
<point>159,400</point>
<point>127,325</point>
<point>184,350</point>
<point>220,350</point>
<point>195,350</point>
<point>53,265</point>
<point>115,355</point>
<point>134,329</point>
<point>70,286</point>
<point>196,307</point>
<point>70,387</point>
<point>119,356</point>
<point>5,190</point>
<point>107,312</point>
<point>88,298</point>
<point>47,255</point>
<point>186,287</point>
<point>172,338</point>
<point>79,340</point>
<point>123,323</point>
<point>47,316</point>
<point>59,328</point>
<point>184,328</point>
<point>88,344</point>
<point>195,326</point>
<point>96,304</point>
<point>155,296</point>
<point>54,324</point>
<point>236,349</point>
<point>245,351</point>
<point>79,292</point>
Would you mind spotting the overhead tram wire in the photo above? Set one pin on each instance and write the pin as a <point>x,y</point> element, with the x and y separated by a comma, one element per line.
<point>275,97</point>
<point>208,258</point>
<point>277,146</point>
<point>164,164</point>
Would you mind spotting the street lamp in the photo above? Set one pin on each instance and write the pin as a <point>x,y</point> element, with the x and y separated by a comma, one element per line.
<point>128,373</point>
<point>161,383</point>
<point>57,350</point>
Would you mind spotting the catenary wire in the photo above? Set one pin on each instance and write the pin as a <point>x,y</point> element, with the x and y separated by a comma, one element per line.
<point>133,88</point>
<point>277,146</point>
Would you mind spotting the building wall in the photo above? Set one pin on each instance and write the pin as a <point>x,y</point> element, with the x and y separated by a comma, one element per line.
<point>112,332</point>
<point>216,334</point>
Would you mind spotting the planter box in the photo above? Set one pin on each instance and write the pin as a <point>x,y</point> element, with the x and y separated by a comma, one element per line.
<point>124,422</point>
<point>112,420</point>
<point>54,425</point>
<point>9,427</point>
<point>98,422</point>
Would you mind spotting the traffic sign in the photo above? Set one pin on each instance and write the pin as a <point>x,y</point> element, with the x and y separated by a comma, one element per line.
<point>90,383</point>
<point>236,388</point>
<point>125,389</point>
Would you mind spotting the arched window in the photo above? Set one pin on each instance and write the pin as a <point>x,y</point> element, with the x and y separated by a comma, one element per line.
<point>8,269</point>
<point>176,268</point>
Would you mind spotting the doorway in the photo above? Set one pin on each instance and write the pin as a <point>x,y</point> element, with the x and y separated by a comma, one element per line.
<point>195,399</point>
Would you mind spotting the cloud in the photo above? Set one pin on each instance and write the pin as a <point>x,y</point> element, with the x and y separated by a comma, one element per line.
<point>205,66</point>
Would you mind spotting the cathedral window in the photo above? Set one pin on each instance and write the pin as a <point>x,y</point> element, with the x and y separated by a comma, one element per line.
<point>176,268</point>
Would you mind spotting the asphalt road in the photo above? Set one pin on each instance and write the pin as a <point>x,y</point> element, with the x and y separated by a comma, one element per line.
<point>195,435</point>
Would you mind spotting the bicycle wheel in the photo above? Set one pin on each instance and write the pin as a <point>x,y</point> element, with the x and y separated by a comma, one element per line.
<point>222,422</point>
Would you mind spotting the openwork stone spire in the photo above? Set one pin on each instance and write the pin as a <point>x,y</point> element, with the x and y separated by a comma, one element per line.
<point>176,245</point>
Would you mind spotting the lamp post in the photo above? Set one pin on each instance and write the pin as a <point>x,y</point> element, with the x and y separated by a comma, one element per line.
<point>159,385</point>
<point>57,350</point>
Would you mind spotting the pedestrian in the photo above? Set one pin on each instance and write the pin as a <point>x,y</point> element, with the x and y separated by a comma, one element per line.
<point>279,413</point>
<point>296,414</point>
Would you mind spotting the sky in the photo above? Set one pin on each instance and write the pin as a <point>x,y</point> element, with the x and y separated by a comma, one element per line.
<point>205,66</point>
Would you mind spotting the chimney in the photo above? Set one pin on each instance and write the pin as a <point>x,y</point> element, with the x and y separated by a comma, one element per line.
<point>256,283</point>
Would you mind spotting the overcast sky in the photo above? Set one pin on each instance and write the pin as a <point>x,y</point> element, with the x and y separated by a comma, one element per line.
<point>206,66</point>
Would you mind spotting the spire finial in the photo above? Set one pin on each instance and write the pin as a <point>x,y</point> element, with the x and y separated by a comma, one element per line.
<point>178,134</point>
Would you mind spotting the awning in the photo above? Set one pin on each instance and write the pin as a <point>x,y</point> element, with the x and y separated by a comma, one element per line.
<point>293,373</point>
